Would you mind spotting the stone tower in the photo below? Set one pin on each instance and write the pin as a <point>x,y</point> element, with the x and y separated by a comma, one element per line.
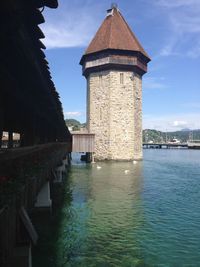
<point>113,65</point>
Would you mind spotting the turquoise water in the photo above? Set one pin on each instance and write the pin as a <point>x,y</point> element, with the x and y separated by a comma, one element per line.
<point>148,215</point>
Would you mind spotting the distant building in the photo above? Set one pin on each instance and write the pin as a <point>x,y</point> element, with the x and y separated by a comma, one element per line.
<point>113,65</point>
<point>16,136</point>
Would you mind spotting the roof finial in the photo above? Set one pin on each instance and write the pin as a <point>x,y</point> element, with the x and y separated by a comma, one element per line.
<point>114,5</point>
<point>110,11</point>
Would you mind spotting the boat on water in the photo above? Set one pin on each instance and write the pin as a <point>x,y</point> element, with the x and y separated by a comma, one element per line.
<point>174,141</point>
<point>195,144</point>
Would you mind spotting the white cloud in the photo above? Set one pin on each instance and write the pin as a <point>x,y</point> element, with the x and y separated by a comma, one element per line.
<point>172,122</point>
<point>170,48</point>
<point>70,114</point>
<point>184,26</point>
<point>191,105</point>
<point>153,83</point>
<point>179,123</point>
<point>177,3</point>
<point>195,51</point>
<point>72,25</point>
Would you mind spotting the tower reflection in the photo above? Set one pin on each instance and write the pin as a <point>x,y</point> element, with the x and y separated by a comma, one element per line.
<point>102,222</point>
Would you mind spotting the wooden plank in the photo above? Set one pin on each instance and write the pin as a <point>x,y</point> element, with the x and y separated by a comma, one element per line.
<point>28,225</point>
<point>83,142</point>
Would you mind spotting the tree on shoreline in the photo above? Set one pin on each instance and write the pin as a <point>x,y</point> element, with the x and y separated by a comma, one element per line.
<point>74,124</point>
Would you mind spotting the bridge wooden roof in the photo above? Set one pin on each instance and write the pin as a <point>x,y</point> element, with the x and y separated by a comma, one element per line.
<point>28,96</point>
<point>49,3</point>
<point>114,33</point>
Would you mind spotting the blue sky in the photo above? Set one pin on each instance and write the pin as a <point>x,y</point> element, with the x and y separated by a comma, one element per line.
<point>169,30</point>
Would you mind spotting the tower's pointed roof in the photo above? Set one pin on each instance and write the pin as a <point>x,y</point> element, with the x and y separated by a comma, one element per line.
<point>114,33</point>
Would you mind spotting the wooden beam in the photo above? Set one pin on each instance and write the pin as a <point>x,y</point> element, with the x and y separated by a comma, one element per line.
<point>10,139</point>
<point>1,123</point>
<point>28,225</point>
<point>1,135</point>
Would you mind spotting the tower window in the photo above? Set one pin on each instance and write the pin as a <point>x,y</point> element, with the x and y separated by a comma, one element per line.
<point>121,78</point>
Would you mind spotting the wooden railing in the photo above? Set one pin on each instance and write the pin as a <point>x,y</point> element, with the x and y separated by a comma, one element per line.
<point>23,171</point>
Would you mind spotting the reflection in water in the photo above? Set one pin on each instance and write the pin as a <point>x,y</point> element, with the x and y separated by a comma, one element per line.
<point>147,216</point>
<point>104,215</point>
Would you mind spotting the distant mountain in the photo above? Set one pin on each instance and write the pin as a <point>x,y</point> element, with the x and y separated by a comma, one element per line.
<point>159,136</point>
<point>150,134</point>
<point>185,130</point>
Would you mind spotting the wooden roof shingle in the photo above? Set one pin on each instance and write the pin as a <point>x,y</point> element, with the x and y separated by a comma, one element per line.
<point>114,33</point>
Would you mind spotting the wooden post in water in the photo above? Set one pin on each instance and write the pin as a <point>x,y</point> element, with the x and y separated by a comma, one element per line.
<point>93,158</point>
<point>89,157</point>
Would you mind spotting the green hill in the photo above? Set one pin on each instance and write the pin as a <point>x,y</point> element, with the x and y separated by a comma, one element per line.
<point>74,124</point>
<point>158,136</point>
<point>150,134</point>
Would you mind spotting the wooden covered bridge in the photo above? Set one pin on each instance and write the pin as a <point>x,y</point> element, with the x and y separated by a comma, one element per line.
<point>29,106</point>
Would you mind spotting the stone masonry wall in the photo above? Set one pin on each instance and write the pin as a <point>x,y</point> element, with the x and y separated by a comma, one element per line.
<point>138,117</point>
<point>114,114</point>
<point>98,116</point>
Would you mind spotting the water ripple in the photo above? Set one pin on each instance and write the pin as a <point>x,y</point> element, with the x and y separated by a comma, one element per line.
<point>149,216</point>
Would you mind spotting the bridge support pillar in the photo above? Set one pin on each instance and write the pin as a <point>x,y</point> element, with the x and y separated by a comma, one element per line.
<point>66,160</point>
<point>59,173</point>
<point>57,186</point>
<point>43,199</point>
